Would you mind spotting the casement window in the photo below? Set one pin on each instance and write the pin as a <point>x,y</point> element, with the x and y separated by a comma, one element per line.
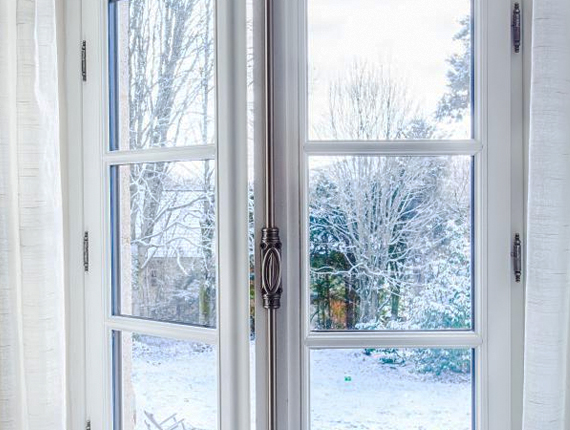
<point>383,139</point>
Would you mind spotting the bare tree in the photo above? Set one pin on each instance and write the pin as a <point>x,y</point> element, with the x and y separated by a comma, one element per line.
<point>369,103</point>
<point>169,87</point>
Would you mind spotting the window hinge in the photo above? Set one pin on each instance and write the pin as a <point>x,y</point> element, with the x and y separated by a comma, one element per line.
<point>86,251</point>
<point>84,60</point>
<point>516,27</point>
<point>88,425</point>
<point>517,257</point>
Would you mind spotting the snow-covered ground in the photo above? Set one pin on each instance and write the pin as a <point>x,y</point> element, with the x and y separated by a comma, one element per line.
<point>175,377</point>
<point>349,390</point>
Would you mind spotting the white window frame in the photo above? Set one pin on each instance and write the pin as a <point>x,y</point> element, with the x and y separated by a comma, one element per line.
<point>84,117</point>
<point>499,215</point>
<point>90,298</point>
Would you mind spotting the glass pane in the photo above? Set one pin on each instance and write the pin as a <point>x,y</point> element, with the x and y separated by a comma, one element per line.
<point>390,243</point>
<point>391,389</point>
<point>164,383</point>
<point>164,241</point>
<point>162,73</point>
<point>389,69</point>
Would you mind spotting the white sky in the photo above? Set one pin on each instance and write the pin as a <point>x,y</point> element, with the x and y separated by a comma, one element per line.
<point>413,37</point>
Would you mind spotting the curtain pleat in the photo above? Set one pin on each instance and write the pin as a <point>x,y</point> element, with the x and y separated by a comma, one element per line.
<point>32,354</point>
<point>547,345</point>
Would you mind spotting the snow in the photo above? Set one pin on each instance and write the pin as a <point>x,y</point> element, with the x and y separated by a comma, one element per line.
<point>349,390</point>
<point>175,377</point>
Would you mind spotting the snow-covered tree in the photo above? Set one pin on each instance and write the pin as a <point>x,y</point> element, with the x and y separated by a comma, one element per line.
<point>369,102</point>
<point>390,236</point>
<point>456,102</point>
<point>372,211</point>
<point>168,92</point>
<point>378,225</point>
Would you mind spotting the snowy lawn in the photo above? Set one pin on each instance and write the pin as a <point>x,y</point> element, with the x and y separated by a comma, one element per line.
<point>349,390</point>
<point>175,377</point>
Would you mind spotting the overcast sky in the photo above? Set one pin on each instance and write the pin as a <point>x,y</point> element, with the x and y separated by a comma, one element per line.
<point>413,37</point>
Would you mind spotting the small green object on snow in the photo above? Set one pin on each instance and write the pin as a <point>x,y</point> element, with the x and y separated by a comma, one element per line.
<point>347,378</point>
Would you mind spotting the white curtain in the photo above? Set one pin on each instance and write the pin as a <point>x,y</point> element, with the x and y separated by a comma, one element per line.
<point>547,350</point>
<point>32,354</point>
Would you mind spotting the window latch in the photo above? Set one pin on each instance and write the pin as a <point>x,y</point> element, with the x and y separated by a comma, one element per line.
<point>517,257</point>
<point>516,27</point>
<point>84,61</point>
<point>86,251</point>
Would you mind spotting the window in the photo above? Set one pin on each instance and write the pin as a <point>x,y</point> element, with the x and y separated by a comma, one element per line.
<point>166,208</point>
<point>397,151</point>
<point>391,236</point>
<point>396,145</point>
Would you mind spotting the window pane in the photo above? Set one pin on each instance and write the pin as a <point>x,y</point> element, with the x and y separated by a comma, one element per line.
<point>389,69</point>
<point>164,233</point>
<point>391,389</point>
<point>390,243</point>
<point>164,381</point>
<point>162,73</point>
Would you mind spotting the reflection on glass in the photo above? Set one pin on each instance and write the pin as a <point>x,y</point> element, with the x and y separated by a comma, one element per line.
<point>391,389</point>
<point>163,73</point>
<point>164,383</point>
<point>390,243</point>
<point>389,69</point>
<point>164,232</point>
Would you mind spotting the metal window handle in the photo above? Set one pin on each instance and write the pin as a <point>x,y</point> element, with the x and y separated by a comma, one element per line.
<point>271,268</point>
<point>271,271</point>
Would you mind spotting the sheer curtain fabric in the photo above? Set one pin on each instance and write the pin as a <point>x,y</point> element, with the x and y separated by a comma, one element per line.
<point>32,367</point>
<point>547,348</point>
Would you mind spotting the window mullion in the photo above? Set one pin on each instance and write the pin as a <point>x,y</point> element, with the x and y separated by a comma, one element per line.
<point>233,368</point>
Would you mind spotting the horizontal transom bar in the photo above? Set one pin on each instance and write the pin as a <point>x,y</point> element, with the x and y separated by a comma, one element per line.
<point>186,332</point>
<point>179,153</point>
<point>370,339</point>
<point>403,148</point>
